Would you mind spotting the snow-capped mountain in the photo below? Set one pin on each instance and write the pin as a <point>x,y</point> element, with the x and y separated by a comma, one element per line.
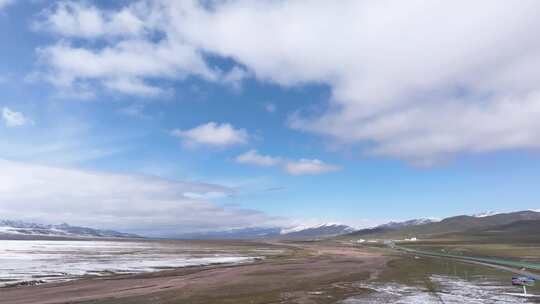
<point>319,230</point>
<point>300,231</point>
<point>9,228</point>
<point>413,222</point>
<point>394,226</point>
<point>485,214</point>
<point>491,213</point>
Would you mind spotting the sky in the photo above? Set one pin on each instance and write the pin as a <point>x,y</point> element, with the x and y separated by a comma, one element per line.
<point>166,117</point>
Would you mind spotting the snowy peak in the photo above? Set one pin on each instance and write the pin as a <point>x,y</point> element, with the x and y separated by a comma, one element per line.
<point>305,227</point>
<point>491,213</point>
<point>319,230</point>
<point>413,222</point>
<point>20,228</point>
<point>301,231</point>
<point>485,214</point>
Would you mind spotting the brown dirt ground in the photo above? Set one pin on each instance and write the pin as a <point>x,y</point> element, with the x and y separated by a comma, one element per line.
<point>307,273</point>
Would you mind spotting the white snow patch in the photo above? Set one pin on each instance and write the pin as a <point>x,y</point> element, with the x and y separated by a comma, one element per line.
<point>306,227</point>
<point>452,290</point>
<point>486,214</point>
<point>65,260</point>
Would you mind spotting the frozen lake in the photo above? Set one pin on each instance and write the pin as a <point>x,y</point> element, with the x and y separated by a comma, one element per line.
<point>65,260</point>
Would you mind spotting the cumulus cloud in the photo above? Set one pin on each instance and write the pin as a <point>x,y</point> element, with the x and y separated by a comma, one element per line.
<point>212,134</point>
<point>14,119</point>
<point>123,66</point>
<point>80,19</point>
<point>137,48</point>
<point>308,167</point>
<point>292,167</point>
<point>254,158</point>
<point>137,203</point>
<point>406,81</point>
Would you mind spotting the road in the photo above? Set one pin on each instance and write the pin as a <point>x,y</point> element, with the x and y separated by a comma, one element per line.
<point>513,266</point>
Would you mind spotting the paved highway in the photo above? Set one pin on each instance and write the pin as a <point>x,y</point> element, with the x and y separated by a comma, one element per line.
<point>514,266</point>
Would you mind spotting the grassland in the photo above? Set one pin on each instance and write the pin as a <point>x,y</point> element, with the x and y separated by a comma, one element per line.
<point>296,272</point>
<point>514,251</point>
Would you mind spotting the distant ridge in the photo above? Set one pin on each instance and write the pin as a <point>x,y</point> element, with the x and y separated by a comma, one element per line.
<point>321,230</point>
<point>414,222</point>
<point>525,231</point>
<point>230,234</point>
<point>392,226</point>
<point>296,232</point>
<point>14,229</point>
<point>484,214</point>
<point>452,225</point>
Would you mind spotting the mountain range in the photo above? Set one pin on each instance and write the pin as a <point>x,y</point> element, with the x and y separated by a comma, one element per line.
<point>303,231</point>
<point>489,224</point>
<point>20,229</point>
<point>463,226</point>
<point>414,222</point>
<point>325,230</point>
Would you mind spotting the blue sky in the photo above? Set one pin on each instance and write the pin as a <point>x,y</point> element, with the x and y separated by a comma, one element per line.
<point>247,113</point>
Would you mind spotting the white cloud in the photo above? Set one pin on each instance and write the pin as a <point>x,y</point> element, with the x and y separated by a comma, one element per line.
<point>235,77</point>
<point>76,19</point>
<point>5,3</point>
<point>435,132</point>
<point>254,158</point>
<point>127,202</point>
<point>308,167</point>
<point>292,167</point>
<point>124,66</point>
<point>14,119</point>
<point>213,134</point>
<point>132,55</point>
<point>394,66</point>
